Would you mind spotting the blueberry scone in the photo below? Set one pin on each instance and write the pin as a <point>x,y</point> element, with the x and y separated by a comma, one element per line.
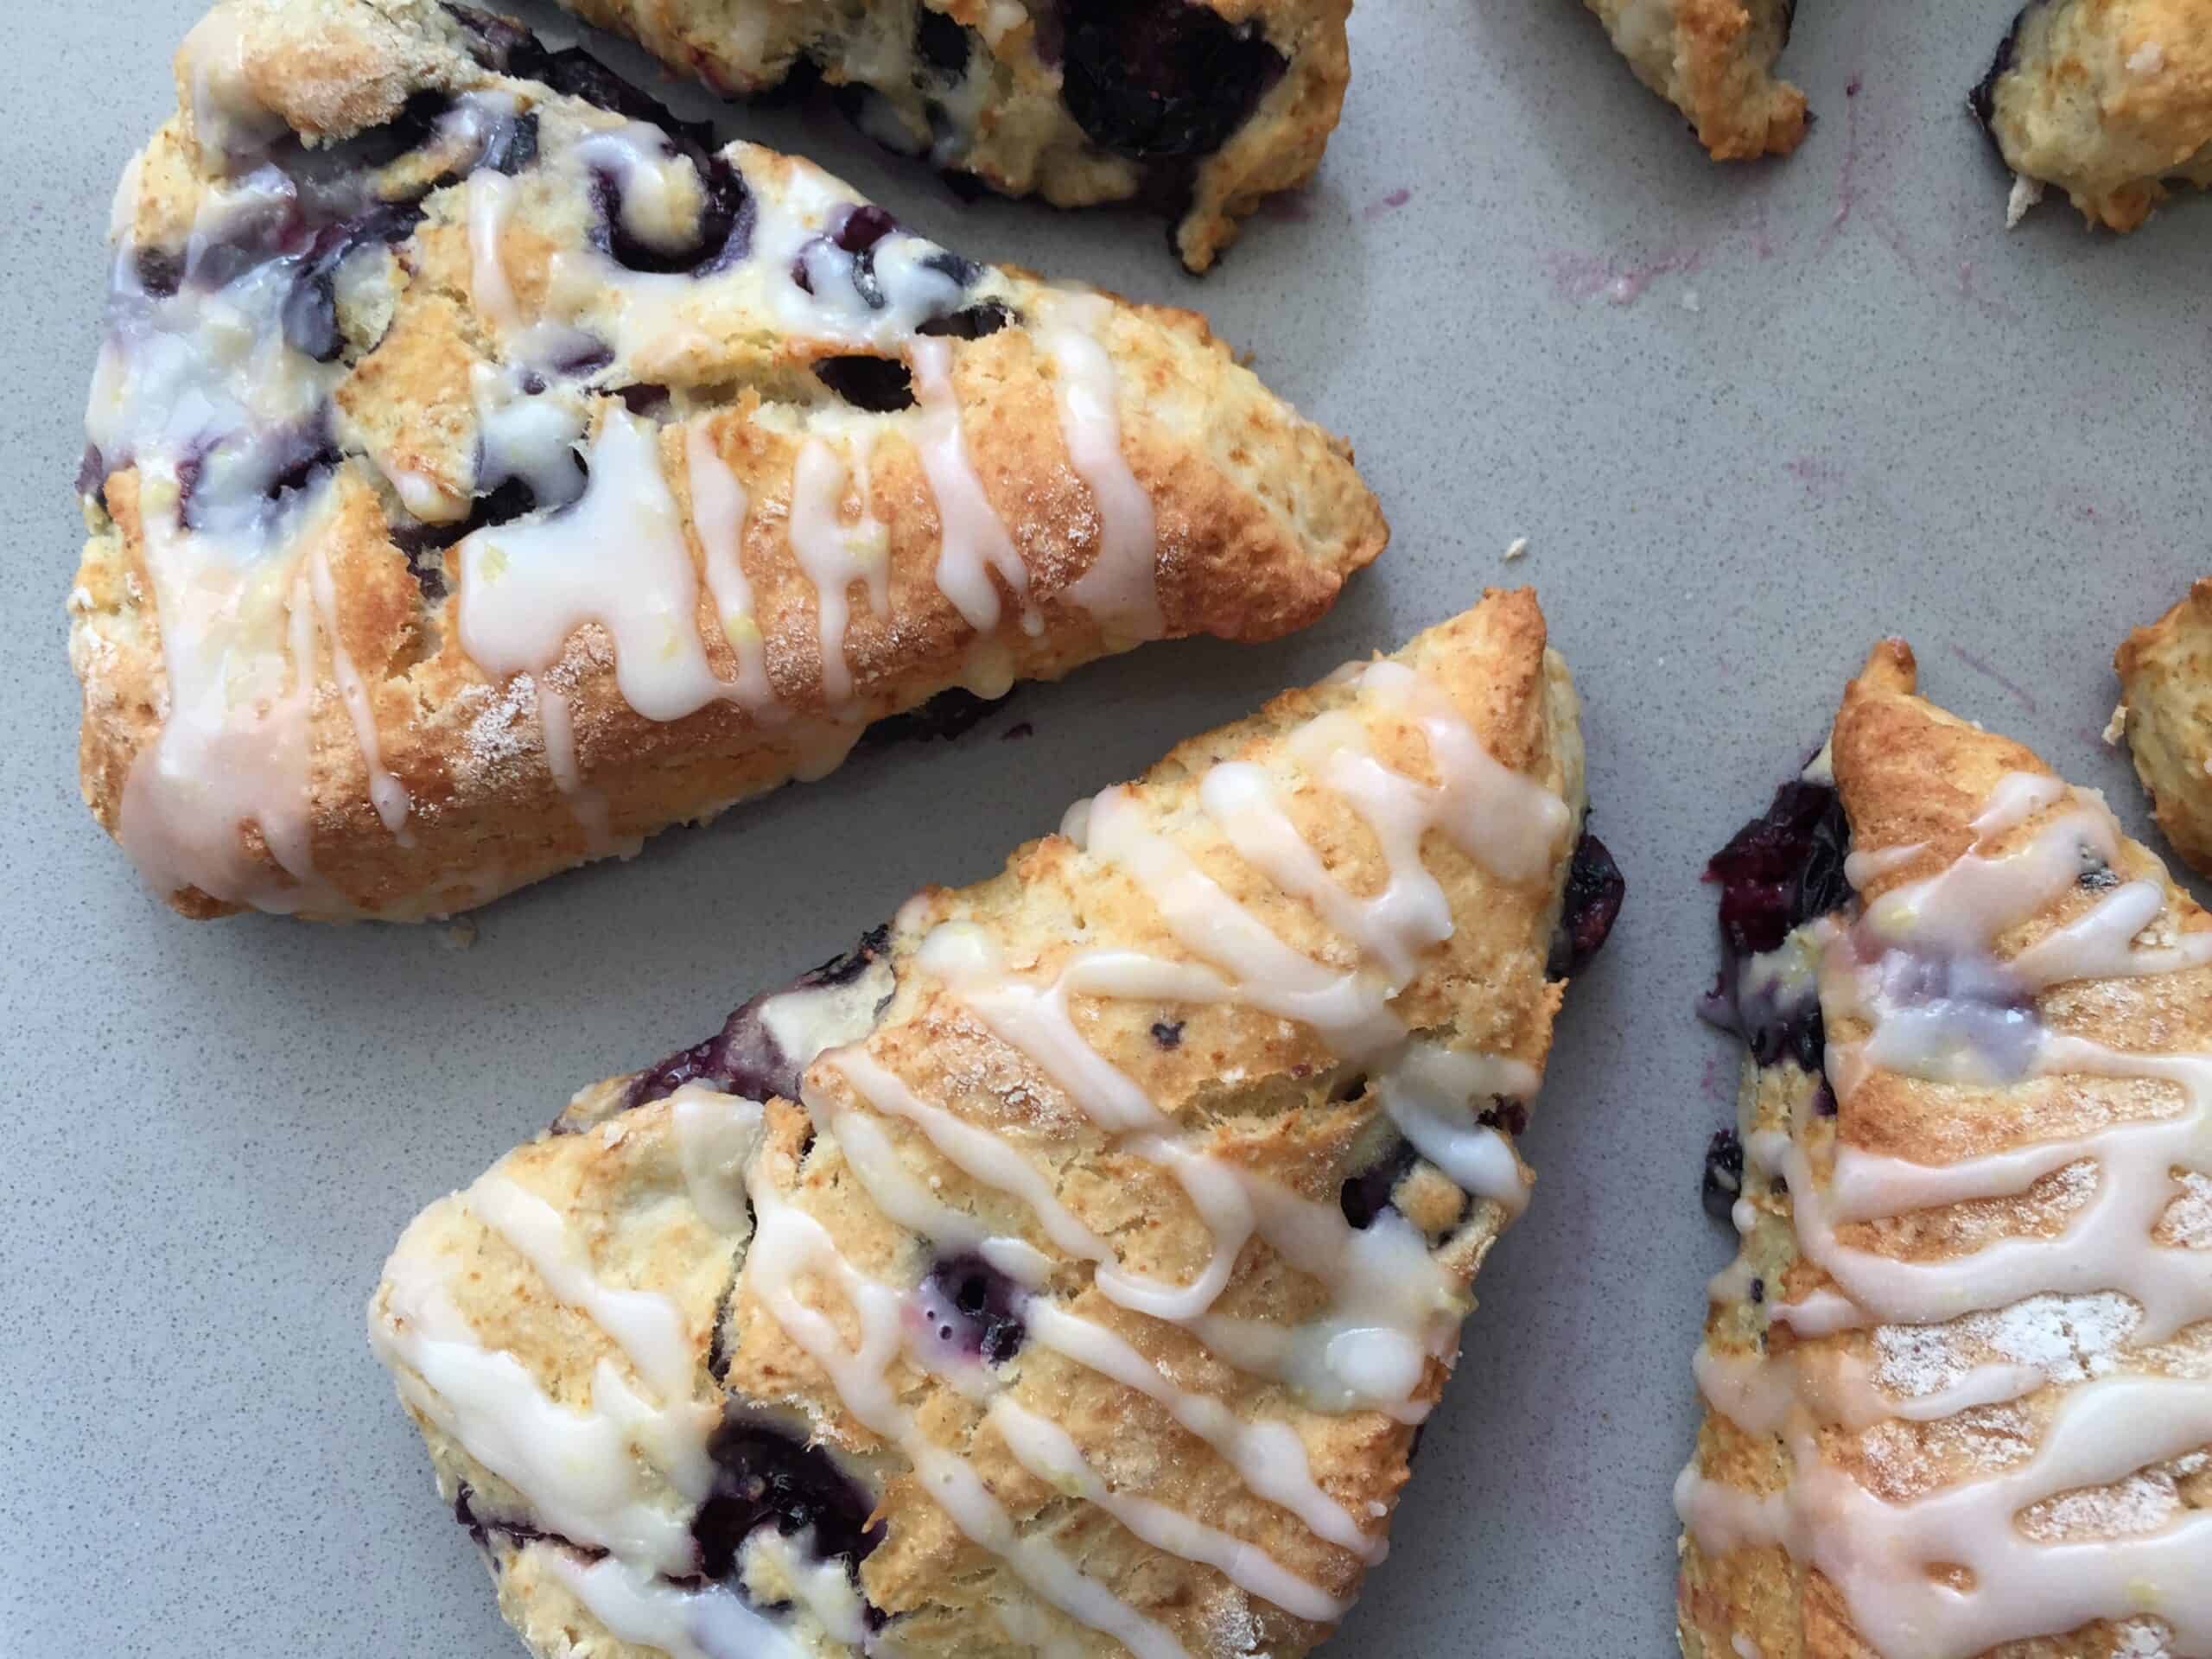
<point>2165,676</point>
<point>1069,1269</point>
<point>486,472</point>
<point>1714,61</point>
<point>1958,1379</point>
<point>2109,100</point>
<point>1200,107</point>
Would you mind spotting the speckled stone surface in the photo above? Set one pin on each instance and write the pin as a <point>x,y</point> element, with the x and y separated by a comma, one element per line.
<point>1748,419</point>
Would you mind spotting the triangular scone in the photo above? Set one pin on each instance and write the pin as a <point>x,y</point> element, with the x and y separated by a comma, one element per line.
<point>2166,678</point>
<point>1200,107</point>
<point>1714,61</point>
<point>486,472</point>
<point>2110,100</point>
<point>1092,1299</point>
<point>1959,1380</point>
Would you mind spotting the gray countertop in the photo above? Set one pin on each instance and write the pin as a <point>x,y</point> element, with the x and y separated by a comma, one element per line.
<point>1748,419</point>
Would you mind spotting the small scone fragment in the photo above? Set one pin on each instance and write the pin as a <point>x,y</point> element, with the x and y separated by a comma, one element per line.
<point>2109,100</point>
<point>1958,1379</point>
<point>1068,1269</point>
<point>1714,61</point>
<point>487,470</point>
<point>1200,107</point>
<point>2165,676</point>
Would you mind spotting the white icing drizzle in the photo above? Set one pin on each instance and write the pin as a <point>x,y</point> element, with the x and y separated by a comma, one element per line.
<point>645,1325</point>
<point>580,1469</point>
<point>789,1244</point>
<point>526,588</point>
<point>1120,589</point>
<point>491,199</point>
<point>835,555</point>
<point>634,1606</point>
<point>718,508</point>
<point>716,1133</point>
<point>972,538</point>
<point>386,792</point>
<point>1268,1457</point>
<point>2108,1423</point>
<point>1050,1453</point>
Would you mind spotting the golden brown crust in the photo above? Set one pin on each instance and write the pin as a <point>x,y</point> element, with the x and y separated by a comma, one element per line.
<point>1259,515</point>
<point>1009,127</point>
<point>1714,61</point>
<point>2110,100</point>
<point>2166,678</point>
<point>1241,1087</point>
<point>1912,778</point>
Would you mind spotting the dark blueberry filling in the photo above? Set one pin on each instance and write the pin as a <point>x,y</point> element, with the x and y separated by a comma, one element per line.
<point>743,1058</point>
<point>159,272</point>
<point>2096,876</point>
<point>1723,1182</point>
<point>879,385</point>
<point>1592,903</point>
<point>1823,1099</point>
<point>766,1477</point>
<point>1160,79</point>
<point>1168,1033</point>
<point>1505,1113</point>
<point>1983,100</point>
<point>1782,868</point>
<point>310,309</point>
<point>512,146</point>
<point>92,475</point>
<point>1759,1291</point>
<point>1779,871</point>
<point>973,1305</point>
<point>724,232</point>
<point>941,45</point>
<point>952,712</point>
<point>585,361</point>
<point>644,399</point>
<point>510,501</point>
<point>481,1526</point>
<point>1367,1194</point>
<point>969,322</point>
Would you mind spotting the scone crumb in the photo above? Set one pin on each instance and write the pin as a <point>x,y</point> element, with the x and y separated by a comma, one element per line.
<point>1517,548</point>
<point>2026,193</point>
<point>458,934</point>
<point>2116,727</point>
<point>1690,301</point>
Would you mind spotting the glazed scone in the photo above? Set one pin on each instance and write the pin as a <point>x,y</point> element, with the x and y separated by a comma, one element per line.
<point>485,473</point>
<point>1068,1270</point>
<point>1200,107</point>
<point>1714,61</point>
<point>2166,679</point>
<point>2110,100</point>
<point>1958,1378</point>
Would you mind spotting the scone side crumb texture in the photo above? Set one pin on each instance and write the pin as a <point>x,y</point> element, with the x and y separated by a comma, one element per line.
<point>400,399</point>
<point>1829,1419</point>
<point>2165,675</point>
<point>2110,100</point>
<point>1714,61</point>
<point>1207,104</point>
<point>1079,1397</point>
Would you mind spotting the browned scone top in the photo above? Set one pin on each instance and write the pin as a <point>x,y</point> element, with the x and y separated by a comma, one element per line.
<point>2109,100</point>
<point>435,396</point>
<point>1205,106</point>
<point>1959,1380</point>
<point>2166,679</point>
<point>1714,61</point>
<point>1084,1294</point>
